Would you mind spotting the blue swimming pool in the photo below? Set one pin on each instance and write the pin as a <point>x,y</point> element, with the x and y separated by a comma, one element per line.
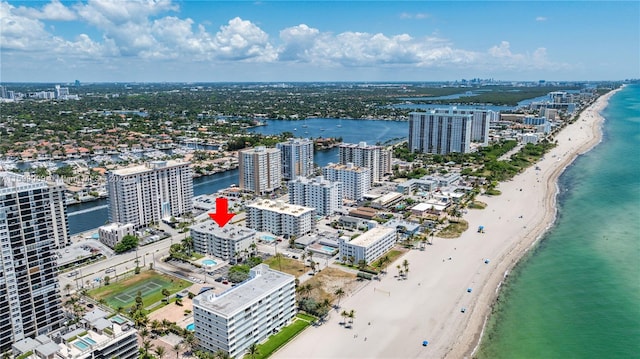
<point>209,262</point>
<point>191,327</point>
<point>267,238</point>
<point>95,236</point>
<point>118,319</point>
<point>328,249</point>
<point>80,345</point>
<point>88,340</point>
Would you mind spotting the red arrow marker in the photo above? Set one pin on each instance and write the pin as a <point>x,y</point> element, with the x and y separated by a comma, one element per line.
<point>222,215</point>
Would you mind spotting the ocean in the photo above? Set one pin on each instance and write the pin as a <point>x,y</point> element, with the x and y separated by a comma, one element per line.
<point>577,293</point>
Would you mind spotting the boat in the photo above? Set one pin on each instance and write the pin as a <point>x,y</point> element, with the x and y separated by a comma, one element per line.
<point>295,129</point>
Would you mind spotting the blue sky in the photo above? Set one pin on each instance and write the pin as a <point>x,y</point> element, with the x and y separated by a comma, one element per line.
<point>208,41</point>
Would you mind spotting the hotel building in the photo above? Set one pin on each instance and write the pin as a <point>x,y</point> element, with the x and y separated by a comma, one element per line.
<point>149,193</point>
<point>376,158</point>
<point>297,157</point>
<point>368,246</point>
<point>209,238</point>
<point>440,132</point>
<point>356,181</point>
<point>260,169</point>
<point>323,195</point>
<point>280,218</point>
<point>246,314</point>
<point>29,291</point>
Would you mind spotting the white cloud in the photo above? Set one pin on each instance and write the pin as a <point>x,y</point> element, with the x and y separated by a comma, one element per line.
<point>242,40</point>
<point>52,11</point>
<point>541,18</point>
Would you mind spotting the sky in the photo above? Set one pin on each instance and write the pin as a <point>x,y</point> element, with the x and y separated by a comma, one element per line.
<point>273,41</point>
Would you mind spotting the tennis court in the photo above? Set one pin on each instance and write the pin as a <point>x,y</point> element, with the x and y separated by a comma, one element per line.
<point>146,288</point>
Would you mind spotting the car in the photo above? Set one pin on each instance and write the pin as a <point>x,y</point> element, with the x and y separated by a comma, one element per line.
<point>294,257</point>
<point>225,282</point>
<point>89,305</point>
<point>219,279</point>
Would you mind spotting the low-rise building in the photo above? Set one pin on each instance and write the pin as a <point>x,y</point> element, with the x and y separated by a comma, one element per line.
<point>280,218</point>
<point>368,246</point>
<point>112,233</point>
<point>99,336</point>
<point>246,314</point>
<point>225,242</point>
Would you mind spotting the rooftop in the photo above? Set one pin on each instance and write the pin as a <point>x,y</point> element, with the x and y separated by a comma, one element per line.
<point>262,281</point>
<point>149,167</point>
<point>230,231</point>
<point>348,167</point>
<point>281,207</point>
<point>371,236</point>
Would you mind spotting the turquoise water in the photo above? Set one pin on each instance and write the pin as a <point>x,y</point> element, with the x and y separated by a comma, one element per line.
<point>80,345</point>
<point>117,319</point>
<point>191,327</point>
<point>267,238</point>
<point>209,262</point>
<point>577,295</point>
<point>88,340</point>
<point>329,249</point>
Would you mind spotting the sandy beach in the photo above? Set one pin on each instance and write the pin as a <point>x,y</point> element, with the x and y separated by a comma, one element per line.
<point>394,316</point>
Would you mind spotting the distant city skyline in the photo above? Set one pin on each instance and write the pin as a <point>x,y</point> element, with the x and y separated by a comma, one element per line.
<point>273,41</point>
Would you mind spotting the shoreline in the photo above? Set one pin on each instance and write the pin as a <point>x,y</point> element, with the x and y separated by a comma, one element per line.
<point>427,304</point>
<point>473,337</point>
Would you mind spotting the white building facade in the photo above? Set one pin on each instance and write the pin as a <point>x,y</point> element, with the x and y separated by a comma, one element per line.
<point>260,169</point>
<point>356,181</point>
<point>225,242</point>
<point>29,291</point>
<point>297,157</point>
<point>150,193</point>
<point>280,218</point>
<point>368,246</point>
<point>440,133</point>
<point>323,195</point>
<point>246,314</point>
<point>376,158</point>
<point>112,233</point>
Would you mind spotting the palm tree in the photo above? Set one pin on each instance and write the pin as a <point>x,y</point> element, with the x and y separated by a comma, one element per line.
<point>399,270</point>
<point>253,350</point>
<point>191,342</point>
<point>68,287</point>
<point>405,264</point>
<point>313,266</point>
<point>352,315</point>
<point>146,346</point>
<point>344,316</point>
<point>160,352</point>
<point>219,354</point>
<point>177,348</point>
<point>339,293</point>
<point>362,264</point>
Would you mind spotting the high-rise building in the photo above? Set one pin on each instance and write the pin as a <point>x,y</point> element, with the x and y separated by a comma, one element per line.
<point>280,218</point>
<point>29,289</point>
<point>355,180</point>
<point>297,157</point>
<point>246,314</point>
<point>260,169</point>
<point>149,193</point>
<point>480,121</point>
<point>376,158</point>
<point>439,132</point>
<point>323,195</point>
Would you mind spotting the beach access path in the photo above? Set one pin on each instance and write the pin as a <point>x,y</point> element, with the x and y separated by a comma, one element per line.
<point>394,316</point>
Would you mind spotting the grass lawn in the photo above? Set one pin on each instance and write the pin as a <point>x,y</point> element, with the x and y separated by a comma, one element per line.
<point>149,283</point>
<point>281,338</point>
<point>454,229</point>
<point>392,254</point>
<point>287,265</point>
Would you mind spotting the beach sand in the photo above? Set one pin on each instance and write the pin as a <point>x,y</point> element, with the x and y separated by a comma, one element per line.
<point>394,316</point>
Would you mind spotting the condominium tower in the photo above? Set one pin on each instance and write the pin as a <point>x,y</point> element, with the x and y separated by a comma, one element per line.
<point>439,132</point>
<point>323,195</point>
<point>355,180</point>
<point>297,157</point>
<point>150,193</point>
<point>221,242</point>
<point>376,158</point>
<point>280,218</point>
<point>260,169</point>
<point>246,314</point>
<point>29,290</point>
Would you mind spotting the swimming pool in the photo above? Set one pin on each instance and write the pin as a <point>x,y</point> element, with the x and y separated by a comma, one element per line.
<point>80,345</point>
<point>88,340</point>
<point>209,262</point>
<point>95,236</point>
<point>267,238</point>
<point>118,319</point>
<point>191,326</point>
<point>328,249</point>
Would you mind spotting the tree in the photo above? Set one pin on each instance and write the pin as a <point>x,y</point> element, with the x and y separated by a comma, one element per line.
<point>339,293</point>
<point>106,280</point>
<point>166,293</point>
<point>344,316</point>
<point>146,346</point>
<point>405,264</point>
<point>191,342</point>
<point>362,264</point>
<point>128,242</point>
<point>352,315</point>
<point>177,348</point>
<point>253,350</point>
<point>68,287</point>
<point>160,352</point>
